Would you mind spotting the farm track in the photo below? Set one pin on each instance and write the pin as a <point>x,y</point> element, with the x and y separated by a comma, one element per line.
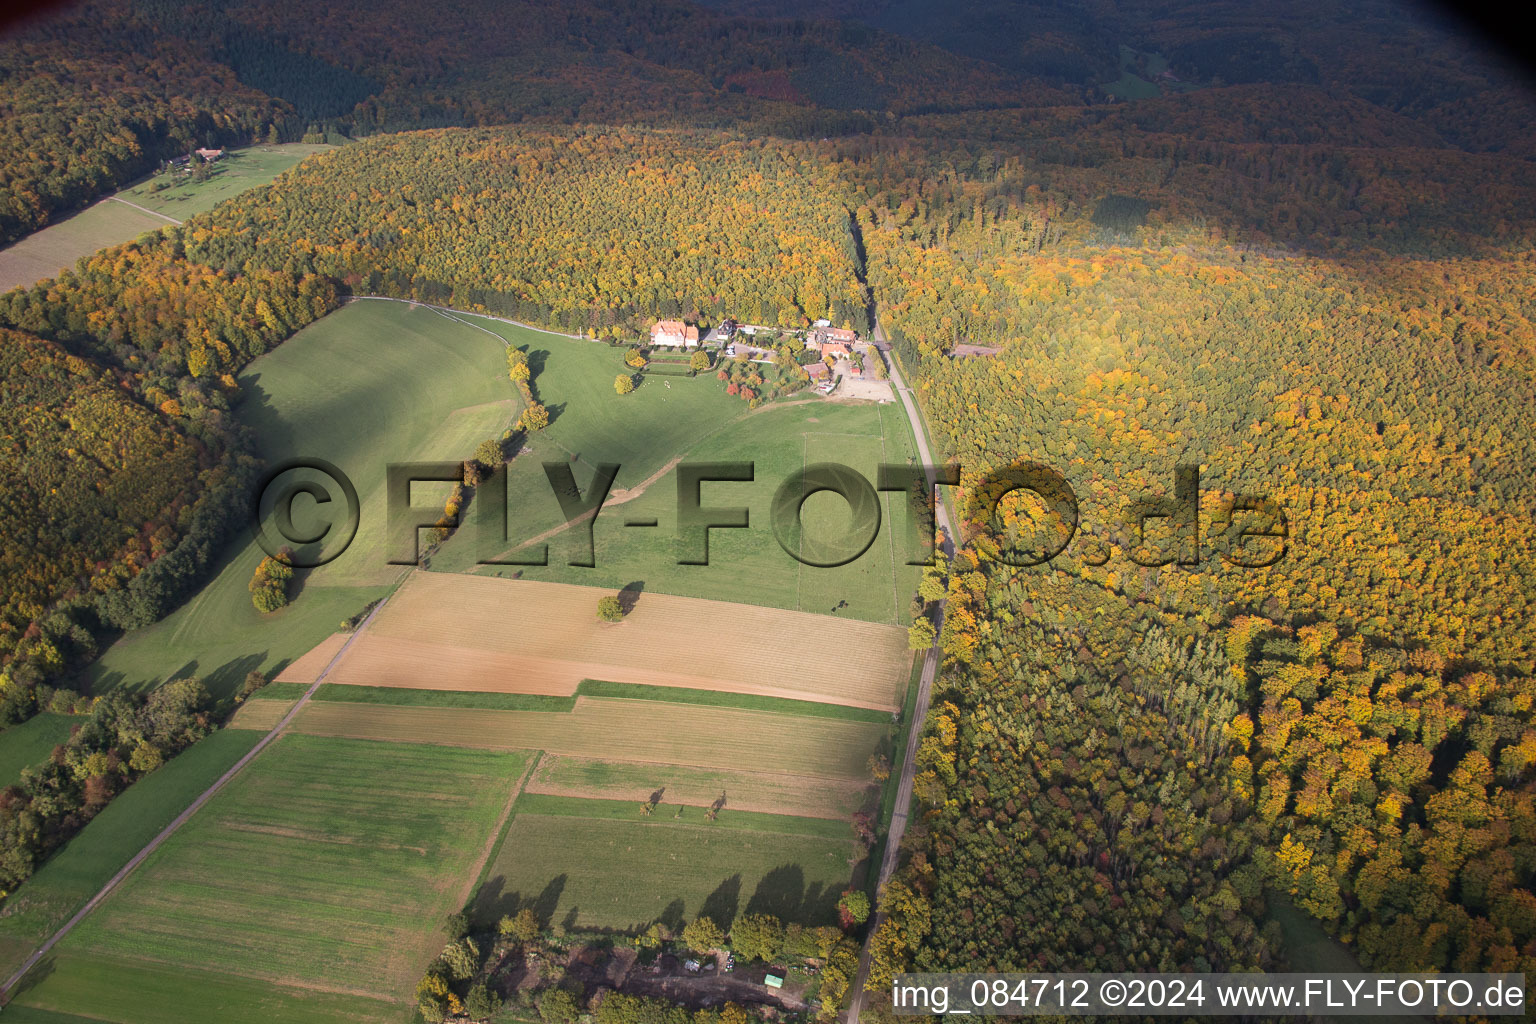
<point>902,806</point>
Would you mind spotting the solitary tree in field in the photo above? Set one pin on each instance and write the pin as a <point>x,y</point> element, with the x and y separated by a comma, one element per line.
<point>489,454</point>
<point>269,585</point>
<point>702,935</point>
<point>623,383</point>
<point>609,609</point>
<point>534,418</point>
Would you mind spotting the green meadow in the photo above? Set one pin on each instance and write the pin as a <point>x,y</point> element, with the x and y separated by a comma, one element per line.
<point>322,873</point>
<point>75,874</point>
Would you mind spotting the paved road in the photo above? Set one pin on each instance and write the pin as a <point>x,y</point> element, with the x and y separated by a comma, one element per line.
<point>898,825</point>
<point>181,819</point>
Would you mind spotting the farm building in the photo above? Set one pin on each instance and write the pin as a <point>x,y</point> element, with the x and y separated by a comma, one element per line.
<point>835,349</point>
<point>818,371</point>
<point>674,334</point>
<point>210,155</point>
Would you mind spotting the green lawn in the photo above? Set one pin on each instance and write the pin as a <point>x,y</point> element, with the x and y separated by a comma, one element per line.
<point>77,872</point>
<point>602,873</point>
<point>29,743</point>
<point>371,384</point>
<point>327,867</point>
<point>719,698</point>
<point>44,254</point>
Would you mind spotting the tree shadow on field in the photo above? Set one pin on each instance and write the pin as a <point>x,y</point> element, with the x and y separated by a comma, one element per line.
<point>225,681</point>
<point>672,917</point>
<point>783,894</point>
<point>630,596</point>
<point>538,358</point>
<point>493,901</point>
<point>35,977</point>
<point>721,905</point>
<point>490,901</point>
<point>548,901</point>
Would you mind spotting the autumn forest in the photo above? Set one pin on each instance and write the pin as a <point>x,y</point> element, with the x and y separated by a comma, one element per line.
<point>1318,286</point>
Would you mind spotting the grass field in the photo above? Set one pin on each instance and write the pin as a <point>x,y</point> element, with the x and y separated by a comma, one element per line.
<point>327,866</point>
<point>57,890</point>
<point>663,734</point>
<point>370,384</point>
<point>29,743</point>
<point>634,783</point>
<point>746,565</point>
<point>43,254</point>
<point>453,631</point>
<point>688,869</point>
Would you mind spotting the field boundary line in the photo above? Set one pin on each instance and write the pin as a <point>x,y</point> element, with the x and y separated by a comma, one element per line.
<point>143,209</point>
<point>499,833</point>
<point>466,312</point>
<point>182,818</point>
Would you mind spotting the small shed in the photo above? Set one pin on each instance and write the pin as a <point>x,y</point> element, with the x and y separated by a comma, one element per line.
<point>773,981</point>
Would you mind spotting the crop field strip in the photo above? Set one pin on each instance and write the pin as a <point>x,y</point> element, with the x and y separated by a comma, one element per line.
<point>306,668</point>
<point>670,812</point>
<point>314,868</point>
<point>690,869</point>
<point>726,699</point>
<point>763,792</point>
<point>666,734</point>
<point>453,631</point>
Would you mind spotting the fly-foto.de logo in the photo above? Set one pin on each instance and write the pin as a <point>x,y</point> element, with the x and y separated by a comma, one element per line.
<point>310,510</point>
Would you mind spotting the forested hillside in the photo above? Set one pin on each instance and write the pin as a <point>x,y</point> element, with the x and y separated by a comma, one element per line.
<point>79,118</point>
<point>93,481</point>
